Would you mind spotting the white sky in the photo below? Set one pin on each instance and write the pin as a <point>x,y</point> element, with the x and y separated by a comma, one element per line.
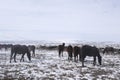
<point>90,20</point>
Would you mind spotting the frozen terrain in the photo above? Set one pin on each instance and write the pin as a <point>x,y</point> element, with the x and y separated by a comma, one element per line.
<point>46,65</point>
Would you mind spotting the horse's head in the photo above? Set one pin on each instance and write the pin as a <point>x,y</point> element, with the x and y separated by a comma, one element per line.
<point>63,44</point>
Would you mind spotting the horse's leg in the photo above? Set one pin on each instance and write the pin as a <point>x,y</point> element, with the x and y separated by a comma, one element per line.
<point>59,53</point>
<point>99,59</point>
<point>77,57</point>
<point>22,58</point>
<point>71,56</point>
<point>34,53</point>
<point>11,56</point>
<point>62,53</point>
<point>29,56</point>
<point>82,59</point>
<point>15,57</point>
<point>68,56</point>
<point>94,61</point>
<point>82,63</point>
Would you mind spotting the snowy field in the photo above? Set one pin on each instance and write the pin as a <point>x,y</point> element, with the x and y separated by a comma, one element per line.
<point>46,65</point>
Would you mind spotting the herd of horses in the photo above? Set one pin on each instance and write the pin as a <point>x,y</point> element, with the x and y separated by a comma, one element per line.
<point>80,53</point>
<point>74,52</point>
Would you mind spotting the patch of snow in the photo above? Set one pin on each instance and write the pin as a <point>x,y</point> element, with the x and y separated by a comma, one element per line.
<point>47,65</point>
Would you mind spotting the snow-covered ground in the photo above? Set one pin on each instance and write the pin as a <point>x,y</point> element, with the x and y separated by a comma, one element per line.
<point>46,65</point>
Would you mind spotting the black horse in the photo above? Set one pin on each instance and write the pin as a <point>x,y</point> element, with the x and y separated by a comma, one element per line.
<point>70,51</point>
<point>87,50</point>
<point>32,49</point>
<point>77,53</point>
<point>20,49</point>
<point>61,49</point>
<point>108,50</point>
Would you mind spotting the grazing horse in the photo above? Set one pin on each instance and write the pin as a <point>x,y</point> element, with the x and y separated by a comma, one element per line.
<point>32,49</point>
<point>70,51</point>
<point>61,49</point>
<point>5,46</point>
<point>87,50</point>
<point>77,53</point>
<point>20,49</point>
<point>108,50</point>
<point>101,49</point>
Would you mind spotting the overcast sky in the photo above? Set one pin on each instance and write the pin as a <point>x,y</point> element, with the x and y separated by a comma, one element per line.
<point>90,20</point>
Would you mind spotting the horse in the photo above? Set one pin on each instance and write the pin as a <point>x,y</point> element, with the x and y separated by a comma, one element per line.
<point>32,49</point>
<point>61,49</point>
<point>76,52</point>
<point>20,49</point>
<point>87,50</point>
<point>70,51</point>
<point>108,50</point>
<point>101,49</point>
<point>5,46</point>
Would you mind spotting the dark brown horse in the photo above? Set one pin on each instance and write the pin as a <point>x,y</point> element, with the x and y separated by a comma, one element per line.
<point>5,46</point>
<point>87,50</point>
<point>108,50</point>
<point>70,51</point>
<point>20,49</point>
<point>61,49</point>
<point>77,53</point>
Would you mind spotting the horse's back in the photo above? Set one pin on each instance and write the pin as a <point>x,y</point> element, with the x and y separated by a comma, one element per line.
<point>24,48</point>
<point>76,49</point>
<point>108,49</point>
<point>31,47</point>
<point>60,47</point>
<point>70,48</point>
<point>89,50</point>
<point>19,49</point>
<point>15,48</point>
